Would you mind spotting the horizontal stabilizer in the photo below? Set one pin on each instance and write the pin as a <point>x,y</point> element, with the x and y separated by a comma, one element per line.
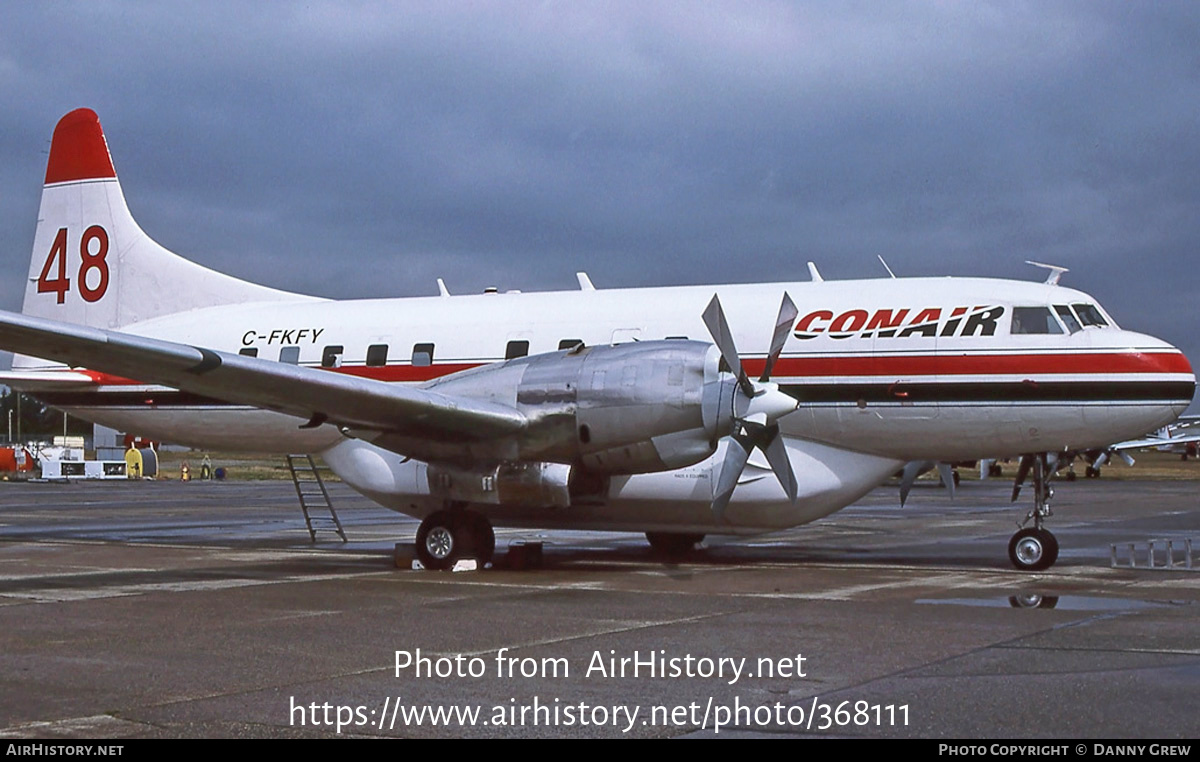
<point>36,381</point>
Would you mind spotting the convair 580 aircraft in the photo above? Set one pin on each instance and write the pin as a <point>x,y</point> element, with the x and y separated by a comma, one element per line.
<point>678,412</point>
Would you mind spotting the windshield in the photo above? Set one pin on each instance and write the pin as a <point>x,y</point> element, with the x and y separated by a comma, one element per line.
<point>1089,315</point>
<point>1068,318</point>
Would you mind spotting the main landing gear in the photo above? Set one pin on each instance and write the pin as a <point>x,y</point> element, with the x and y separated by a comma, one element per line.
<point>452,534</point>
<point>1035,548</point>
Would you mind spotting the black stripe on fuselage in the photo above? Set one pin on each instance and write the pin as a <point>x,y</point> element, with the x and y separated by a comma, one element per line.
<point>1014,392</point>
<point>1003,392</point>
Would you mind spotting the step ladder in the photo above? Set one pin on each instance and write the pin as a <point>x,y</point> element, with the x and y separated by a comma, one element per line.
<point>310,488</point>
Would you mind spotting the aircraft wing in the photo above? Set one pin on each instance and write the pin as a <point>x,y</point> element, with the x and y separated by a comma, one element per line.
<point>449,423</point>
<point>1135,444</point>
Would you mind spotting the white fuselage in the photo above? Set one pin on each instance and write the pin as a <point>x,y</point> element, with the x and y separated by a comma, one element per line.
<point>885,370</point>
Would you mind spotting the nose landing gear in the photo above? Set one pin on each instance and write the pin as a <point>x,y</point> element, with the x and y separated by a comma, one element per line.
<point>1035,548</point>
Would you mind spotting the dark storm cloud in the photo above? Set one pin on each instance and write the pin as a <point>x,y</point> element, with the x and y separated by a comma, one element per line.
<point>366,149</point>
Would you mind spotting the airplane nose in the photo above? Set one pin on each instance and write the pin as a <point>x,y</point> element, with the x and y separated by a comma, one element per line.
<point>1152,383</point>
<point>1180,367</point>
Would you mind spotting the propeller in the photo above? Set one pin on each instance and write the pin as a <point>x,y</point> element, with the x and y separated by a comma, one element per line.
<point>756,407</point>
<point>915,468</point>
<point>1106,455</point>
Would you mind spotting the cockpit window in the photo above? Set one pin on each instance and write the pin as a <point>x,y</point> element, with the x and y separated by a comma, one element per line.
<point>1034,320</point>
<point>1089,315</point>
<point>1068,318</point>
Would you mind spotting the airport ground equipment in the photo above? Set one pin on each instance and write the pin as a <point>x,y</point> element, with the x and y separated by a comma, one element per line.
<point>1176,555</point>
<point>314,497</point>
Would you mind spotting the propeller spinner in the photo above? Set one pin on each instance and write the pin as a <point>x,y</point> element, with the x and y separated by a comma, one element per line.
<point>757,406</point>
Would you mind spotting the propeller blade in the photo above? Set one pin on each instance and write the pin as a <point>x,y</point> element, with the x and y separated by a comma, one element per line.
<point>985,465</point>
<point>718,328</point>
<point>783,326</point>
<point>912,470</point>
<point>736,454</point>
<point>947,475</point>
<point>781,464</point>
<point>1022,472</point>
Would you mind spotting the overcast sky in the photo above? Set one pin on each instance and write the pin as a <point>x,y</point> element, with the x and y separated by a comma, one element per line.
<point>366,149</point>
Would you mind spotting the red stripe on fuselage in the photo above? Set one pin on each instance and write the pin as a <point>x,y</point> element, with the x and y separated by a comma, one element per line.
<point>407,373</point>
<point>865,365</point>
<point>976,365</point>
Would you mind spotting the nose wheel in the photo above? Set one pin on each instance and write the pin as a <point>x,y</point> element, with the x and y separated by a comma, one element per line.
<point>1035,548</point>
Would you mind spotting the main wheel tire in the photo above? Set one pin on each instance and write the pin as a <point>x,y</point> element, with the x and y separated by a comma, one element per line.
<point>1033,549</point>
<point>483,538</point>
<point>447,536</point>
<point>440,540</point>
<point>673,544</point>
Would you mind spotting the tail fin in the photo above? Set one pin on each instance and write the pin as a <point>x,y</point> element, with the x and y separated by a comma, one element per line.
<point>92,264</point>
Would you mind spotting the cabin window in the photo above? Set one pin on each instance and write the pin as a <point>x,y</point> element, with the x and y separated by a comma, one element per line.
<point>1068,318</point>
<point>569,343</point>
<point>677,338</point>
<point>248,351</point>
<point>1030,320</point>
<point>377,355</point>
<point>331,356</point>
<point>515,349</point>
<point>289,355</point>
<point>422,355</point>
<point>1089,315</point>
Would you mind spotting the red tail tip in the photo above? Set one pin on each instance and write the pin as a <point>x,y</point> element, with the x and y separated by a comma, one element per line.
<point>78,150</point>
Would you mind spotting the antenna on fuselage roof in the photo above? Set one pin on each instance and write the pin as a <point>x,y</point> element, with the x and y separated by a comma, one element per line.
<point>442,288</point>
<point>885,265</point>
<point>585,283</point>
<point>1055,271</point>
<point>812,270</point>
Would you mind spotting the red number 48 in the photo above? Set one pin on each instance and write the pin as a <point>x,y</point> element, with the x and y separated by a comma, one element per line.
<point>61,284</point>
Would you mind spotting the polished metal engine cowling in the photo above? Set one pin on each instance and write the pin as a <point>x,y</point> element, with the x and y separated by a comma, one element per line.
<point>624,409</point>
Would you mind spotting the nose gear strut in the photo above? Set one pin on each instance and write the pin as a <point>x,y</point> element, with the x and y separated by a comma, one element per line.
<point>1035,548</point>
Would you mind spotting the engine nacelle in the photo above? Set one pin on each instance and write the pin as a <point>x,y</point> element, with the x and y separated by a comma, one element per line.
<point>651,406</point>
<point>529,484</point>
<point>624,409</point>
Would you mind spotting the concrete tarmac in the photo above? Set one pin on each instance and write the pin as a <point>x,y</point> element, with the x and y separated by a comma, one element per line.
<point>163,609</point>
